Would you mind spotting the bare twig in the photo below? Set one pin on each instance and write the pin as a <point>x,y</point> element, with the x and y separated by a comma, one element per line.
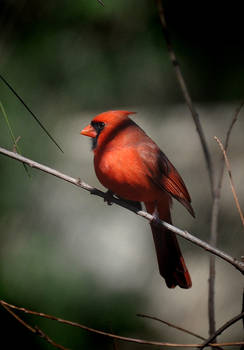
<point>237,111</point>
<point>212,271</point>
<point>15,144</point>
<point>231,179</point>
<point>186,94</point>
<point>214,229</point>
<point>239,265</point>
<point>172,325</point>
<point>114,336</point>
<point>100,2</point>
<point>34,330</point>
<point>222,329</point>
<point>215,188</point>
<point>30,111</point>
<point>208,159</point>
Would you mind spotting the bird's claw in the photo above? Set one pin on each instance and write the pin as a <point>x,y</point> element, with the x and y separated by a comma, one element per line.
<point>108,198</point>
<point>155,220</point>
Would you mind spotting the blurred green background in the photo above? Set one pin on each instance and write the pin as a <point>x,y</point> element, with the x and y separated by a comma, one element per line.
<point>64,252</point>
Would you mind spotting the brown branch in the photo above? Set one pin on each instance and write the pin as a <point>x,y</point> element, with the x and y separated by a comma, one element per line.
<point>222,329</point>
<point>208,159</point>
<point>176,327</point>
<point>238,109</point>
<point>114,336</point>
<point>34,330</point>
<point>212,271</point>
<point>214,229</point>
<point>215,188</point>
<point>231,179</point>
<point>239,265</point>
<point>172,325</point>
<point>77,182</point>
<point>186,94</point>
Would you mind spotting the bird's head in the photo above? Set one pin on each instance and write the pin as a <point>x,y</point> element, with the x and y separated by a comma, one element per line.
<point>104,123</point>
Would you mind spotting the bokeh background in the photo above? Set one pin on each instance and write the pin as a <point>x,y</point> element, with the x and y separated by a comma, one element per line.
<point>65,252</point>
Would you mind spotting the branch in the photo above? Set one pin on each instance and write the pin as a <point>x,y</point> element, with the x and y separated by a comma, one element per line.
<point>172,325</point>
<point>30,111</point>
<point>186,94</point>
<point>214,229</point>
<point>221,329</point>
<point>35,330</point>
<point>239,265</point>
<point>114,336</point>
<point>175,327</point>
<point>100,2</point>
<point>208,159</point>
<point>231,180</point>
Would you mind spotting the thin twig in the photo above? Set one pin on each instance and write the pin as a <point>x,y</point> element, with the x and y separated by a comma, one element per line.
<point>208,159</point>
<point>172,325</point>
<point>231,179</point>
<point>30,111</point>
<point>238,109</point>
<point>34,330</point>
<point>12,134</point>
<point>114,336</point>
<point>186,94</point>
<point>239,265</point>
<point>212,271</point>
<point>214,229</point>
<point>222,329</point>
<point>100,2</point>
<point>15,144</point>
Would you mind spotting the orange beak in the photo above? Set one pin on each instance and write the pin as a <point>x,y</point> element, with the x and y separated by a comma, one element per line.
<point>89,131</point>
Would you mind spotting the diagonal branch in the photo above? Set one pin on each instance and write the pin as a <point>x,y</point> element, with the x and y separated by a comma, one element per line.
<point>101,2</point>
<point>172,325</point>
<point>214,229</point>
<point>222,329</point>
<point>34,330</point>
<point>231,180</point>
<point>226,144</point>
<point>239,265</point>
<point>114,336</point>
<point>208,159</point>
<point>186,94</point>
<point>30,111</point>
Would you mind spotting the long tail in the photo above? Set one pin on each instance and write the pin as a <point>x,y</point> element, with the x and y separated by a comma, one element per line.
<point>171,263</point>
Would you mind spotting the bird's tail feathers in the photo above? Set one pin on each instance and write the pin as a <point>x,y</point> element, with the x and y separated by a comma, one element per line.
<point>171,263</point>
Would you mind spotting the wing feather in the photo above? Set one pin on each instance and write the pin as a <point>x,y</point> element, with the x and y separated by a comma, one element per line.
<point>163,174</point>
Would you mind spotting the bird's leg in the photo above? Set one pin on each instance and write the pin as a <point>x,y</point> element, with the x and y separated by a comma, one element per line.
<point>109,196</point>
<point>155,220</point>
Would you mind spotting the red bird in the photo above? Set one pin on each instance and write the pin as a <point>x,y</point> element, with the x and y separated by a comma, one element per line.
<point>130,165</point>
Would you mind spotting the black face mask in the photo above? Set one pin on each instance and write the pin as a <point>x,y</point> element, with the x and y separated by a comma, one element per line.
<point>98,126</point>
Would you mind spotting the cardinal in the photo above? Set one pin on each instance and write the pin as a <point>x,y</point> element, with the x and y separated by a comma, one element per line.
<point>131,165</point>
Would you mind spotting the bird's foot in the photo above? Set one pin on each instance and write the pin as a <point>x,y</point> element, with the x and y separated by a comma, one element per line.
<point>108,198</point>
<point>155,220</point>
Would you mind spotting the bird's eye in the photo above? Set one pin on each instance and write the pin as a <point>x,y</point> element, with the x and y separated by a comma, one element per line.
<point>101,125</point>
<point>98,126</point>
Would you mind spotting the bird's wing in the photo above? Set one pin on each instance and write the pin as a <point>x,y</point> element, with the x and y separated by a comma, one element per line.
<point>164,175</point>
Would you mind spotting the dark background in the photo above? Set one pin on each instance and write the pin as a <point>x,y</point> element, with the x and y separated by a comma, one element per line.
<point>67,254</point>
